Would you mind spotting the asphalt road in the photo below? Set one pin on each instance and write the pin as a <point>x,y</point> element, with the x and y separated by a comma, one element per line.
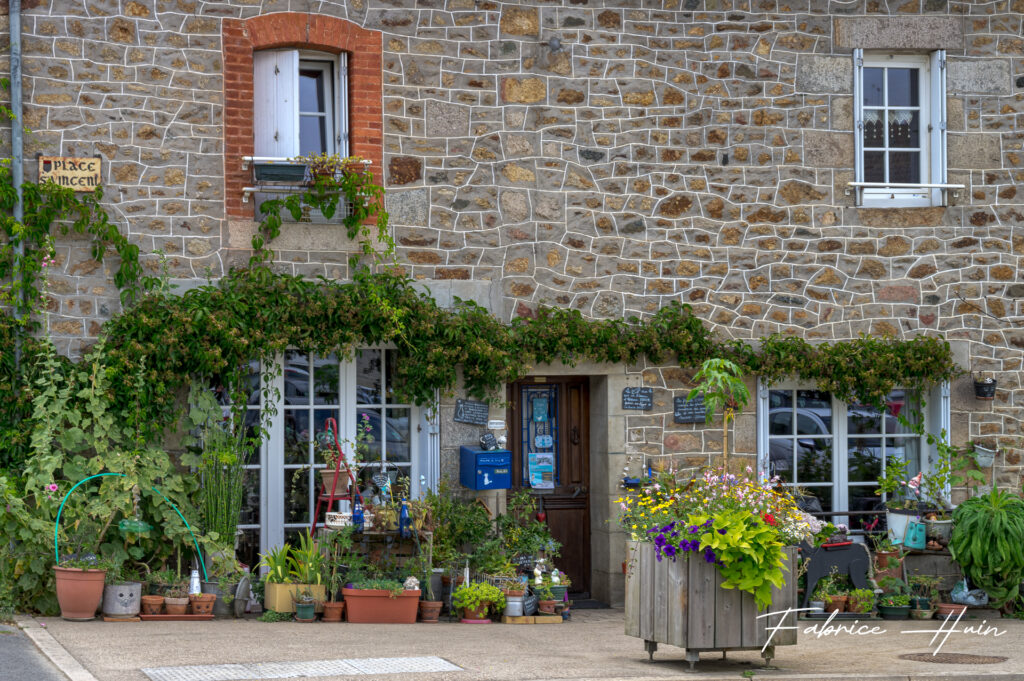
<point>20,660</point>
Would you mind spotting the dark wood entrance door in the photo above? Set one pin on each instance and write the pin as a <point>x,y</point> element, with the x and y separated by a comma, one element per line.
<point>551,416</point>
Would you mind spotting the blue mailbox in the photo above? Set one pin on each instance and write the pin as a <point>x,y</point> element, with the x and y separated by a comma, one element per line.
<point>485,469</point>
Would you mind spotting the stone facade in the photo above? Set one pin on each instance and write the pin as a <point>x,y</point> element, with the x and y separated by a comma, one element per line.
<point>608,156</point>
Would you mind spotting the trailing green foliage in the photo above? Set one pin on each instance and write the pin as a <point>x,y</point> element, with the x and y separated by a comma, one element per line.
<point>748,551</point>
<point>477,594</point>
<point>988,533</point>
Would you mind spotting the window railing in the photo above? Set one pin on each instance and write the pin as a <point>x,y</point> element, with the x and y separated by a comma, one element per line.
<point>273,177</point>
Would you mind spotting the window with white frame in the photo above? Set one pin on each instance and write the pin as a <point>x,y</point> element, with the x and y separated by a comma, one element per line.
<point>834,452</point>
<point>900,128</point>
<point>304,391</point>
<point>300,103</point>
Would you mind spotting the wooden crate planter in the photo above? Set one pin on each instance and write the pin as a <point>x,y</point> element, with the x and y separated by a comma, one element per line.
<point>682,603</point>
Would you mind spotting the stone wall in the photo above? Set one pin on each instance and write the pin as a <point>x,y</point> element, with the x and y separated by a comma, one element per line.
<point>600,155</point>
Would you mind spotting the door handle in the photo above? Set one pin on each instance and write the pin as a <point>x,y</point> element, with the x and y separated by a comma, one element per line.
<point>575,435</point>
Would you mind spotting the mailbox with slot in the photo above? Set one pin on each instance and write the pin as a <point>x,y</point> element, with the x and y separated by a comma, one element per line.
<point>485,469</point>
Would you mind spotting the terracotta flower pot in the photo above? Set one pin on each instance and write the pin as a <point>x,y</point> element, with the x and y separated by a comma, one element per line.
<point>176,606</point>
<point>430,611</point>
<point>378,606</point>
<point>152,605</point>
<point>202,604</point>
<point>327,476</point>
<point>547,607</point>
<point>944,609</point>
<point>479,613</point>
<point>79,592</point>
<point>835,603</point>
<point>333,611</point>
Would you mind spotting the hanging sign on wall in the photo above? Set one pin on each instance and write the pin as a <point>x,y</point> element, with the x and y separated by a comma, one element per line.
<point>689,411</point>
<point>80,174</point>
<point>638,398</point>
<point>468,411</point>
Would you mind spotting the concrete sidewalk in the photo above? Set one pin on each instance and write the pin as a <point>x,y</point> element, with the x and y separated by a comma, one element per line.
<point>592,646</point>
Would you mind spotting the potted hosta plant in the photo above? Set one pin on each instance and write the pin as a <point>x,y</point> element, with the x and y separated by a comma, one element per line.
<point>476,598</point>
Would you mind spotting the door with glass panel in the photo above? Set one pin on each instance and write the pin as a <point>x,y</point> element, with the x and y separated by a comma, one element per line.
<point>358,394</point>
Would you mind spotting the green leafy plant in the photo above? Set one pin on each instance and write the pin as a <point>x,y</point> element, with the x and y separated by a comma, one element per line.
<point>543,591</point>
<point>832,584</point>
<point>475,595</point>
<point>720,381</point>
<point>988,532</point>
<point>274,616</point>
<point>925,586</point>
<point>392,586</point>
<point>278,564</point>
<point>306,562</point>
<point>861,600</point>
<point>748,552</point>
<point>894,600</point>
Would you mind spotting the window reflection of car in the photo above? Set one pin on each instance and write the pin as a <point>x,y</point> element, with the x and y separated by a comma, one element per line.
<point>813,424</point>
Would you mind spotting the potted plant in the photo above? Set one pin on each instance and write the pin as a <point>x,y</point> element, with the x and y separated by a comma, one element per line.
<point>924,592</point>
<point>122,595</point>
<point>987,535</point>
<point>227,576</point>
<point>902,497</point>
<point>291,570</point>
<point>332,454</point>
<point>560,587</point>
<point>475,598</point>
<point>381,600</point>
<point>429,607</point>
<point>861,600</point>
<point>305,605</point>
<point>983,456</point>
<point>894,606</point>
<point>342,562</point>
<point>81,574</point>
<point>984,388</point>
<point>888,558</point>
<point>545,599</point>
<point>176,600</point>
<point>839,536</point>
<point>720,381</point>
<point>833,589</point>
<point>202,603</point>
<point>161,581</point>
<point>152,604</point>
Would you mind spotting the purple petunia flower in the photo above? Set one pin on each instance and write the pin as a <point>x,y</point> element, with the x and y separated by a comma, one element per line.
<point>670,551</point>
<point>709,556</point>
<point>659,540</point>
<point>721,531</point>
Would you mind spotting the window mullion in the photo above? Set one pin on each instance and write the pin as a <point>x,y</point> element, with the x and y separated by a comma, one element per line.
<point>840,461</point>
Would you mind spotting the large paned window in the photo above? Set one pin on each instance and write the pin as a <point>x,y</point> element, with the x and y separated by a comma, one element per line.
<point>833,452</point>
<point>305,390</point>
<point>900,128</point>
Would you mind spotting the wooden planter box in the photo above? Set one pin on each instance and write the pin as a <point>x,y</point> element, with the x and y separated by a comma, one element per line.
<point>682,603</point>
<point>278,597</point>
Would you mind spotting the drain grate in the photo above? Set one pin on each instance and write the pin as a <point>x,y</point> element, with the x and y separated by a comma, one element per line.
<point>953,658</point>
<point>293,670</point>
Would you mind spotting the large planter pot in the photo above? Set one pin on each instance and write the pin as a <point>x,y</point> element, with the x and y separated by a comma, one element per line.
<point>378,606</point>
<point>278,597</point>
<point>479,613</point>
<point>122,600</point>
<point>558,592</point>
<point>547,607</point>
<point>430,611</point>
<point>220,608</point>
<point>682,603</point>
<point>894,612</point>
<point>79,592</point>
<point>333,610</point>
<point>939,530</point>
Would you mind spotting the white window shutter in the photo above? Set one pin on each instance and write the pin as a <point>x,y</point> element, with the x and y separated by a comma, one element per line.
<point>858,116</point>
<point>937,123</point>
<point>341,105</point>
<point>276,103</point>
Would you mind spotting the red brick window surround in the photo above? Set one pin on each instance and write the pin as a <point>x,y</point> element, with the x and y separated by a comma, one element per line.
<point>241,38</point>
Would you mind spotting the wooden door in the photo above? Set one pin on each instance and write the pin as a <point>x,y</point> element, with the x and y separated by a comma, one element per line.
<point>551,415</point>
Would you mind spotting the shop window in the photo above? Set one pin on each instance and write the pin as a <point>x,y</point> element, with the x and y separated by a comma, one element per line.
<point>900,129</point>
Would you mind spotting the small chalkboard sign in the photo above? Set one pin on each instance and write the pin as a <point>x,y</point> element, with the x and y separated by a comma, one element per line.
<point>467,411</point>
<point>689,411</point>
<point>638,398</point>
<point>488,441</point>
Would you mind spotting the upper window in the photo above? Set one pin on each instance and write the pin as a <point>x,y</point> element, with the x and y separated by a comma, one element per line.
<point>900,134</point>
<point>300,105</point>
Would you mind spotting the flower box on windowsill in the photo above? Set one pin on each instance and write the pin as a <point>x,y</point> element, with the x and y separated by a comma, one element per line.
<point>279,172</point>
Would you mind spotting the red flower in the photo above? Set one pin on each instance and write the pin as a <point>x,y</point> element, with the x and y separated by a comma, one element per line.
<point>769,518</point>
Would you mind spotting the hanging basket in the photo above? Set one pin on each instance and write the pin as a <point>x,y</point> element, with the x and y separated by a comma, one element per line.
<point>985,389</point>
